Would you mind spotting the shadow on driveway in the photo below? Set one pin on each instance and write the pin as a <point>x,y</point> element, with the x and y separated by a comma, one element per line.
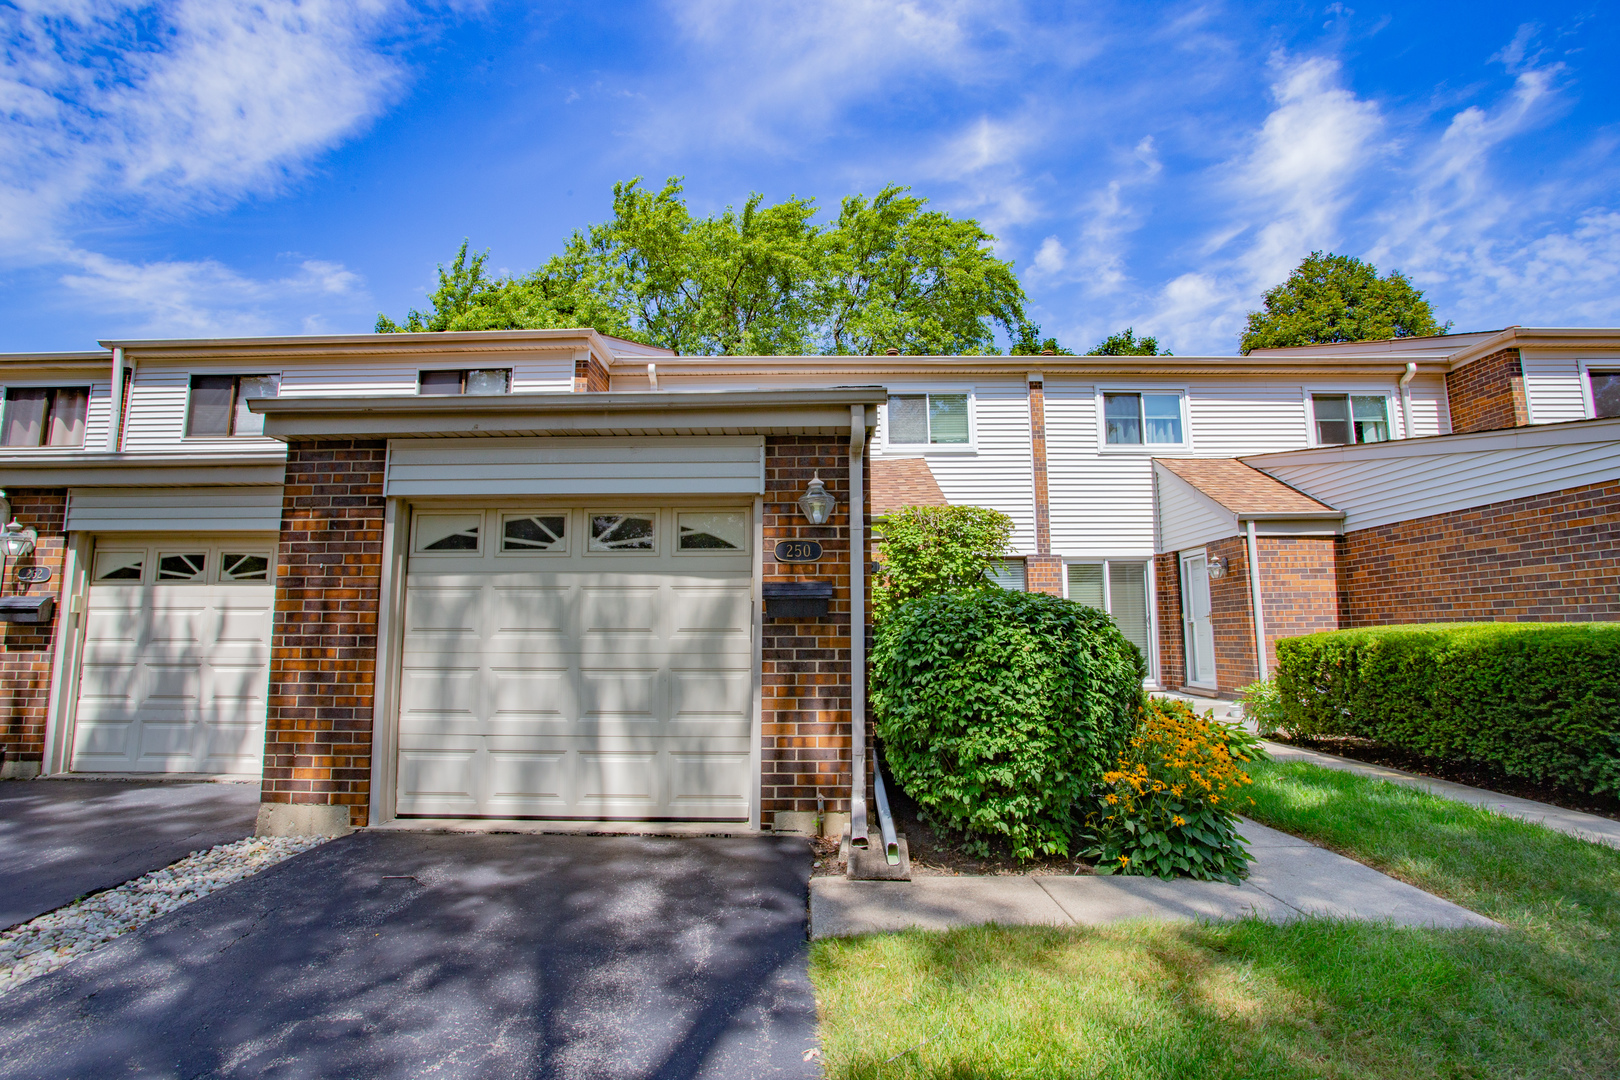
<point>60,839</point>
<point>413,955</point>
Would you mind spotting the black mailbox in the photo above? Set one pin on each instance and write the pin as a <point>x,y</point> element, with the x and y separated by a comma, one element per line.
<point>797,599</point>
<point>27,609</point>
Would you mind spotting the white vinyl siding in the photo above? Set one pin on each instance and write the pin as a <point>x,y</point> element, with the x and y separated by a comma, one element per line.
<point>1390,482</point>
<point>1102,504</point>
<point>1552,386</point>
<point>223,509</point>
<point>1186,518</point>
<point>997,472</point>
<point>715,465</point>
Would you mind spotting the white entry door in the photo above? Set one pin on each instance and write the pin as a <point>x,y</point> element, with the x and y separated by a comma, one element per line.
<point>1195,615</point>
<point>176,665</point>
<point>579,662</point>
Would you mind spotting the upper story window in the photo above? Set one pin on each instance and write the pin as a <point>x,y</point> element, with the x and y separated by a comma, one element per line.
<point>1142,420</point>
<point>1605,393</point>
<point>219,403</point>
<point>930,419</point>
<point>1342,419</point>
<point>476,382</point>
<point>45,416</point>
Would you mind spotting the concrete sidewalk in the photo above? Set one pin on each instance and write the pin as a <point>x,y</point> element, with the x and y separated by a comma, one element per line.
<point>1289,879</point>
<point>1599,830</point>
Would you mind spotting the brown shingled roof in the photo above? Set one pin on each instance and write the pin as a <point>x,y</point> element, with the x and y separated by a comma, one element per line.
<point>1242,488</point>
<point>898,482</point>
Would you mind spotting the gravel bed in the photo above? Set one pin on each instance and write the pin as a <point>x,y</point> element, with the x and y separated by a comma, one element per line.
<point>57,937</point>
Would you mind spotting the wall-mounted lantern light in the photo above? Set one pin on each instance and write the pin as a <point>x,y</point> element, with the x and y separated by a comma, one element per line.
<point>1217,567</point>
<point>17,541</point>
<point>817,504</point>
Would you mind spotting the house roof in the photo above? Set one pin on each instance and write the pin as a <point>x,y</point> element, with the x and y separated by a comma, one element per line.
<point>1242,489</point>
<point>898,482</point>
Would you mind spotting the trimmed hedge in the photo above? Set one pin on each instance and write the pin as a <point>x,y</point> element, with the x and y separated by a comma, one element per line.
<point>1537,700</point>
<point>999,712</point>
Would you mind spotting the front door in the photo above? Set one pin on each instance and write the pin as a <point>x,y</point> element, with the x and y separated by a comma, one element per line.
<point>1199,629</point>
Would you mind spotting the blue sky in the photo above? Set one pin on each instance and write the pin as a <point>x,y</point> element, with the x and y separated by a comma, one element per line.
<point>199,168</point>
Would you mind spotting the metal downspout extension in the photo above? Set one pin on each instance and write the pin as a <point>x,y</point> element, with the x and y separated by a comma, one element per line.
<point>1259,609</point>
<point>1406,400</point>
<point>857,627</point>
<point>891,844</point>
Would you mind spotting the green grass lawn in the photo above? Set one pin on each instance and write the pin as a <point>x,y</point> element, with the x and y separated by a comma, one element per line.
<point>1313,999</point>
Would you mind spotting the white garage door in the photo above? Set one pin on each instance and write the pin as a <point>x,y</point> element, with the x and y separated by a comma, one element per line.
<point>176,658</point>
<point>579,663</point>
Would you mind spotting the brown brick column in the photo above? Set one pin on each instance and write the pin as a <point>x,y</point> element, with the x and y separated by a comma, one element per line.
<point>805,676</point>
<point>590,376</point>
<point>26,651</point>
<point>1043,571</point>
<point>1231,604</point>
<point>1167,584</point>
<point>317,754</point>
<point>1487,394</point>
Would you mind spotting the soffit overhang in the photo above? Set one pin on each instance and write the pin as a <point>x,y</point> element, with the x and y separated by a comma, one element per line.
<point>78,469</point>
<point>753,412</point>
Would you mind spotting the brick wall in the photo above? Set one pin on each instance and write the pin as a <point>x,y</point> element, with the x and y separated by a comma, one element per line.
<point>805,677</point>
<point>1553,557</point>
<point>1299,585</point>
<point>1043,574</point>
<point>324,651</point>
<point>590,376</point>
<point>1487,394</point>
<point>1172,658</point>
<point>26,651</point>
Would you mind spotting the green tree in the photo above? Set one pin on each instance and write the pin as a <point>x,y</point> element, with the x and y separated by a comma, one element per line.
<point>934,550</point>
<point>1331,298</point>
<point>764,280</point>
<point>1126,343</point>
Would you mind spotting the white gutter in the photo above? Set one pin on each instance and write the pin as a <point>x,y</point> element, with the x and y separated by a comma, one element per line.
<point>857,627</point>
<point>1406,400</point>
<point>1259,610</point>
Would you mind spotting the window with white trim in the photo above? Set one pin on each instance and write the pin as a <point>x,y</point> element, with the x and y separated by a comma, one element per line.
<point>932,419</point>
<point>1345,419</point>
<point>1118,587</point>
<point>1605,392</point>
<point>1132,418</point>
<point>45,416</point>
<point>218,404</point>
<point>474,382</point>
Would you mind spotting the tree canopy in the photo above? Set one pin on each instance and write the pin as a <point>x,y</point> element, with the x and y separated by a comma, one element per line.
<point>1126,343</point>
<point>763,280</point>
<point>1331,298</point>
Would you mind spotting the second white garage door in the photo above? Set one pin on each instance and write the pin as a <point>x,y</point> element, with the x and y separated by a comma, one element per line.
<point>580,662</point>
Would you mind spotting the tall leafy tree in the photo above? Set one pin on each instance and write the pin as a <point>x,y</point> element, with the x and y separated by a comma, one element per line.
<point>764,280</point>
<point>1126,343</point>
<point>1331,298</point>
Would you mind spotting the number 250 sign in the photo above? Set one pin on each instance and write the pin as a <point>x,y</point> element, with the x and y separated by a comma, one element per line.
<point>798,551</point>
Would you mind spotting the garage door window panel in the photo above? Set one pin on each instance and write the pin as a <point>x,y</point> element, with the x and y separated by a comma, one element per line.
<point>624,532</point>
<point>120,567</point>
<point>244,566</point>
<point>712,531</point>
<point>534,534</point>
<point>182,566</point>
<point>448,534</point>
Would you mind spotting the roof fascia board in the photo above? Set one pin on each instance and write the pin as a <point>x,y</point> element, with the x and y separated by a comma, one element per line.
<point>1017,366</point>
<point>466,342</point>
<point>13,364</point>
<point>1573,432</point>
<point>1534,337</point>
<point>109,470</point>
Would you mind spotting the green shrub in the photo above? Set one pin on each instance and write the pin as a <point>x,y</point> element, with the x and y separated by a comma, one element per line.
<point>932,550</point>
<point>999,712</point>
<point>1263,706</point>
<point>1537,700</point>
<point>1171,806</point>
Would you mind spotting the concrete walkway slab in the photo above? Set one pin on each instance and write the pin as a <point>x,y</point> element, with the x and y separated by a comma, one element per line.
<point>1289,879</point>
<point>1599,830</point>
<point>421,955</point>
<point>60,839</point>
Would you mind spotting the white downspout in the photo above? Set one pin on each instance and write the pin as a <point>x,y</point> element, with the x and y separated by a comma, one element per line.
<point>115,417</point>
<point>1406,400</point>
<point>1259,610</point>
<point>857,627</point>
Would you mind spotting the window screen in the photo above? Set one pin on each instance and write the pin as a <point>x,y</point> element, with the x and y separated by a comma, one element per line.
<point>1009,574</point>
<point>479,382</point>
<point>936,419</point>
<point>1342,419</point>
<point>45,416</point>
<point>218,404</point>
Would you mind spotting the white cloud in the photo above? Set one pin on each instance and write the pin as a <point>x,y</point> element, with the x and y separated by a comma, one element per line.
<point>119,108</point>
<point>1051,257</point>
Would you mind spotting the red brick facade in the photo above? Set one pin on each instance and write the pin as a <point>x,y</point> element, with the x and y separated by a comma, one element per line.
<point>1487,394</point>
<point>1172,647</point>
<point>323,662</point>
<point>805,681</point>
<point>1299,585</point>
<point>590,376</point>
<point>1043,573</point>
<point>1552,558</point>
<point>1231,606</point>
<point>26,651</point>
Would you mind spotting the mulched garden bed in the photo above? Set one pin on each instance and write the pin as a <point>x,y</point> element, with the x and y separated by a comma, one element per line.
<point>1473,773</point>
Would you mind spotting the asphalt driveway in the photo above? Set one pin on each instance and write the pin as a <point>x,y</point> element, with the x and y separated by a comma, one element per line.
<point>60,839</point>
<point>446,955</point>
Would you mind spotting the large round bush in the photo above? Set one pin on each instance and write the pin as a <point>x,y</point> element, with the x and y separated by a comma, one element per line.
<point>1000,711</point>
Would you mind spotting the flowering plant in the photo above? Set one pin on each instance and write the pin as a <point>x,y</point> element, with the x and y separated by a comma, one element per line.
<point>1171,806</point>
